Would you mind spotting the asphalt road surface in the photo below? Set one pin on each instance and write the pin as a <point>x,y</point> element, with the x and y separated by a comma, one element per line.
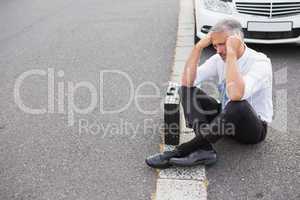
<point>101,155</point>
<point>63,47</point>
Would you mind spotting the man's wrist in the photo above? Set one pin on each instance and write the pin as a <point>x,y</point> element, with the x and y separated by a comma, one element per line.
<point>231,55</point>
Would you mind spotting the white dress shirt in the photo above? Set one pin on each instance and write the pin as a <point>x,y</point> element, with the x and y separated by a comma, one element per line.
<point>256,69</point>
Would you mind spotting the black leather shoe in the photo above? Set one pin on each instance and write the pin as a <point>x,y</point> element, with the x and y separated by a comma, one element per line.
<point>200,156</point>
<point>161,160</point>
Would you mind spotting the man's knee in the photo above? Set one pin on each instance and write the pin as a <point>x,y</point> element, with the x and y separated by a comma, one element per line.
<point>185,91</point>
<point>190,97</point>
<point>236,106</point>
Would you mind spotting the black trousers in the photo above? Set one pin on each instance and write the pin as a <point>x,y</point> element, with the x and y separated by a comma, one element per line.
<point>238,119</point>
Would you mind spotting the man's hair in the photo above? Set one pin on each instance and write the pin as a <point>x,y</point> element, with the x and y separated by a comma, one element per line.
<point>228,25</point>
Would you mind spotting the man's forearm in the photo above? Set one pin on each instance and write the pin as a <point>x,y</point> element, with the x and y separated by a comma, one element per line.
<point>234,80</point>
<point>190,69</point>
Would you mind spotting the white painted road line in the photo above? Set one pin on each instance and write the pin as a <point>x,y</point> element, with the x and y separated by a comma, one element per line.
<point>170,189</point>
<point>182,183</point>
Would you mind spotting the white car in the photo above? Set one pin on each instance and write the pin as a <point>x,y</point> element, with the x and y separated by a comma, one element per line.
<point>263,21</point>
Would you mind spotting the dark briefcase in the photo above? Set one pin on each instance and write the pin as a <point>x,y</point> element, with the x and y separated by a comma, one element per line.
<point>172,115</point>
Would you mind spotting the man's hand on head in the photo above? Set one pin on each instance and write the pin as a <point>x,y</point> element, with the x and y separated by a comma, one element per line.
<point>233,45</point>
<point>204,42</point>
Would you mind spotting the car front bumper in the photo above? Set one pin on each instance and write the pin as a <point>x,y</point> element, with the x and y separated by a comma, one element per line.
<point>206,19</point>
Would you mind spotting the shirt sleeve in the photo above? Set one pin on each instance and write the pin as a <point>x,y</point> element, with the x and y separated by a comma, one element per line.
<point>258,78</point>
<point>206,71</point>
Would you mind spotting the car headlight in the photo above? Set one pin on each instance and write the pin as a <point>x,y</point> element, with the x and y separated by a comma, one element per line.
<point>222,6</point>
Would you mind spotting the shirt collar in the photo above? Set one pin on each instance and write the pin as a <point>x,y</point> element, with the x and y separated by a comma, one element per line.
<point>242,60</point>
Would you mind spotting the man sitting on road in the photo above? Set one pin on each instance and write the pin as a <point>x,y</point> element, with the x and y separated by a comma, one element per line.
<point>245,86</point>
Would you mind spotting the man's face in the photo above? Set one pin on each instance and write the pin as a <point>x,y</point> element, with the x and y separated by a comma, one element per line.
<point>218,40</point>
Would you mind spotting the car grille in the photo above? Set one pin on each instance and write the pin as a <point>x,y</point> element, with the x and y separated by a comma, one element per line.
<point>269,9</point>
<point>272,35</point>
<point>294,33</point>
